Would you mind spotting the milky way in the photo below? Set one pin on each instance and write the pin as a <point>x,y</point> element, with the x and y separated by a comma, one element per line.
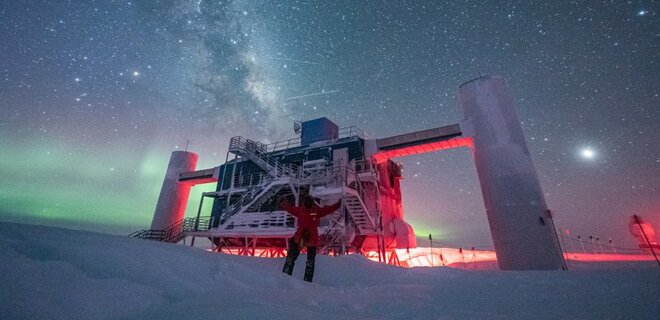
<point>95,95</point>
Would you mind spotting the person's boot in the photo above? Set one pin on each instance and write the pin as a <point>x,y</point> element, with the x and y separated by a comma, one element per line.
<point>291,256</point>
<point>288,267</point>
<point>309,271</point>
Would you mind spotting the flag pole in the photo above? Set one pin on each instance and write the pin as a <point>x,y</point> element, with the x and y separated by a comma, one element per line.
<point>431,239</point>
<point>646,238</point>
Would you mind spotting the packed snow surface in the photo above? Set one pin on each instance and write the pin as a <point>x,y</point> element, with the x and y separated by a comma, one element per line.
<point>50,273</point>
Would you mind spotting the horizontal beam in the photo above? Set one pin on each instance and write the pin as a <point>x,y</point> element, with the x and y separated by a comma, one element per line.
<point>424,141</point>
<point>419,137</point>
<point>200,176</point>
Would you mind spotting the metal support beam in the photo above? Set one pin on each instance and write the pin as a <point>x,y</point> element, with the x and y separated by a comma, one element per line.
<point>420,142</point>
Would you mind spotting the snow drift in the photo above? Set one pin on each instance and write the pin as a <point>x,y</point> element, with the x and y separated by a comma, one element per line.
<point>50,273</point>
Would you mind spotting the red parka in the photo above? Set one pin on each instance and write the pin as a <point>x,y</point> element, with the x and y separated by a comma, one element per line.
<point>307,233</point>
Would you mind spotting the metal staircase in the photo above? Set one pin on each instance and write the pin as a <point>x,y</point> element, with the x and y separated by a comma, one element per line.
<point>175,232</point>
<point>278,175</point>
<point>254,197</point>
<point>337,237</point>
<point>353,196</point>
<point>332,181</point>
<point>258,153</point>
<point>358,212</point>
<point>323,179</point>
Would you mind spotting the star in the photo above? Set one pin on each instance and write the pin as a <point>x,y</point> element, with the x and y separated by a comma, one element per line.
<point>587,153</point>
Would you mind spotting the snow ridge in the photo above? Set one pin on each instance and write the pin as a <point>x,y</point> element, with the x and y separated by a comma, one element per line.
<point>51,273</point>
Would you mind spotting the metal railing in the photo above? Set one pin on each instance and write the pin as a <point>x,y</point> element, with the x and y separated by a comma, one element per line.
<point>322,174</point>
<point>259,152</point>
<point>362,196</point>
<point>248,180</point>
<point>345,132</point>
<point>333,174</point>
<point>260,183</point>
<point>175,232</point>
<point>364,165</point>
<point>246,198</point>
<point>332,237</point>
<point>352,131</point>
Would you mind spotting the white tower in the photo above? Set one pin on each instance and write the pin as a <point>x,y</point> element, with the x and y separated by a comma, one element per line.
<point>173,198</point>
<point>520,223</point>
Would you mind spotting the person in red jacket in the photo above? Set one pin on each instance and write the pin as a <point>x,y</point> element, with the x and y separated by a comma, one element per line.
<point>307,233</point>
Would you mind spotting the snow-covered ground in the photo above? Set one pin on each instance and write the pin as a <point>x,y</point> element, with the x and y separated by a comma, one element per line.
<point>50,273</point>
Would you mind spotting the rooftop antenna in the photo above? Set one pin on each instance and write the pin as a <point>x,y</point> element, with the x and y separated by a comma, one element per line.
<point>187,144</point>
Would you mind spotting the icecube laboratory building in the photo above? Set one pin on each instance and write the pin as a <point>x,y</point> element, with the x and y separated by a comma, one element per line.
<point>331,163</point>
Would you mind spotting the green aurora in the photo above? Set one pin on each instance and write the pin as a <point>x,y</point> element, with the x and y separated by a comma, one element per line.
<point>64,186</point>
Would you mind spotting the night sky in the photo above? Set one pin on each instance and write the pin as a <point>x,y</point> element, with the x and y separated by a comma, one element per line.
<point>94,95</point>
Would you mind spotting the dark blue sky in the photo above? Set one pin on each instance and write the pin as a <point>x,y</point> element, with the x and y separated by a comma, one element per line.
<point>95,94</point>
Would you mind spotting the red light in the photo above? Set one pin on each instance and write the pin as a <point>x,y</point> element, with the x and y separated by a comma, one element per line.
<point>423,148</point>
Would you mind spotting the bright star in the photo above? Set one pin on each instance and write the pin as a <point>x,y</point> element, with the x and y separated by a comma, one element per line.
<point>642,13</point>
<point>587,153</point>
<point>136,73</point>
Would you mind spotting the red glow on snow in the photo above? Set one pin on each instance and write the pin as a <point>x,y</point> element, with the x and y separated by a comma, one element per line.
<point>607,257</point>
<point>466,259</point>
<point>469,259</point>
<point>438,257</point>
<point>423,148</point>
<point>256,252</point>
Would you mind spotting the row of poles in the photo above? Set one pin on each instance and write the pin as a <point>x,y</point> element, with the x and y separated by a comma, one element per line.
<point>596,244</point>
<point>460,251</point>
<point>595,239</point>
